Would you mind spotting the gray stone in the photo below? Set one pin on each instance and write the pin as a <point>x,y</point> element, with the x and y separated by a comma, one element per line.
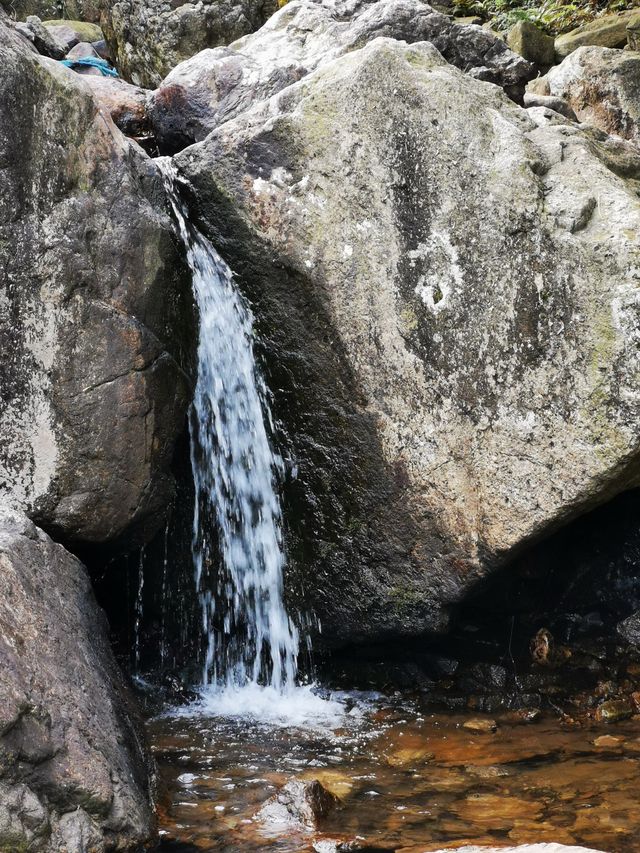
<point>74,774</point>
<point>527,40</point>
<point>468,20</point>
<point>602,86</point>
<point>558,105</point>
<point>216,85</point>
<point>298,804</point>
<point>126,104</point>
<point>82,50</point>
<point>448,296</point>
<point>607,31</point>
<point>70,33</point>
<point>95,312</point>
<point>629,628</point>
<point>42,39</point>
<point>150,37</point>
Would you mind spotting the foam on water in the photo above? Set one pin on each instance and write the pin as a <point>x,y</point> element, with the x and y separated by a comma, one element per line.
<point>297,707</point>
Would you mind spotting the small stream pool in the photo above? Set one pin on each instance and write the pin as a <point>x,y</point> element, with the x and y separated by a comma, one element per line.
<point>408,779</point>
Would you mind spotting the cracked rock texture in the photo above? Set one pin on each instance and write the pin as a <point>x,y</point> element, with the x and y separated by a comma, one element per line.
<point>150,37</point>
<point>74,774</point>
<point>446,286</point>
<point>94,300</point>
<point>601,85</point>
<point>217,85</point>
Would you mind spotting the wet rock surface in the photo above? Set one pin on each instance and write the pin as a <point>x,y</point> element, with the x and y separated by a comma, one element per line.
<point>303,804</point>
<point>95,312</point>
<point>409,780</point>
<point>456,414</point>
<point>126,104</point>
<point>74,773</point>
<point>217,85</point>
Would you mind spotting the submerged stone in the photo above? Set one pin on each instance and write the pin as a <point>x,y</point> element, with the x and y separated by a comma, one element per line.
<point>299,803</point>
<point>614,710</point>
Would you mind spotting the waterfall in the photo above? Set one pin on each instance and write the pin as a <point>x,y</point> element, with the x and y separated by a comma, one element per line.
<point>237,544</point>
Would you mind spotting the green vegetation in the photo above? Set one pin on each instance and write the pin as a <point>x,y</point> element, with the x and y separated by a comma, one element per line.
<point>552,16</point>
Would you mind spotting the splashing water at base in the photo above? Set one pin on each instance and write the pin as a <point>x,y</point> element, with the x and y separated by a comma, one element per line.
<point>251,643</point>
<point>295,708</point>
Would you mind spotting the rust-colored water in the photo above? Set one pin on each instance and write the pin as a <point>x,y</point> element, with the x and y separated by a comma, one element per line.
<point>408,780</point>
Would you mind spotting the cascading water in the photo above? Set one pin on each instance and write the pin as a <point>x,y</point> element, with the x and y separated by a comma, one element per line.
<point>237,532</point>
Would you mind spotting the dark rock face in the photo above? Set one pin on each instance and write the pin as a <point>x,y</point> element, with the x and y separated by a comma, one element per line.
<point>74,774</point>
<point>217,85</point>
<point>93,297</point>
<point>449,349</point>
<point>150,37</point>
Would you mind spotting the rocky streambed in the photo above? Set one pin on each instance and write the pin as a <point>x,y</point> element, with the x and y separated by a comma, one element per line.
<point>405,777</point>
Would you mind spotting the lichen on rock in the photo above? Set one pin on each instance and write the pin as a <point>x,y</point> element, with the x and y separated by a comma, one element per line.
<point>447,289</point>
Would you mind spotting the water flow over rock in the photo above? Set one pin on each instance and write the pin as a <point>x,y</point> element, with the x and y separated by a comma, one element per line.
<point>249,636</point>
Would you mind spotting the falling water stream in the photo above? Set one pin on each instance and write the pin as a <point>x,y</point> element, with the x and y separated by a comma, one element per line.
<point>251,643</point>
<point>408,778</point>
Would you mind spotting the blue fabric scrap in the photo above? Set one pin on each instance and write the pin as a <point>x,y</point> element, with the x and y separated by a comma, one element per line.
<point>93,62</point>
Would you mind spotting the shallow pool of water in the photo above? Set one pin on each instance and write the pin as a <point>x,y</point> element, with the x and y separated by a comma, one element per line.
<point>408,779</point>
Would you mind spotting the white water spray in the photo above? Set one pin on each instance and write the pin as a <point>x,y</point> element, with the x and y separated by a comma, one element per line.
<point>237,532</point>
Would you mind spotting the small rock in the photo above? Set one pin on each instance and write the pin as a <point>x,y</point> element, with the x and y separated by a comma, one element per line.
<point>629,629</point>
<point>42,39</point>
<point>614,710</point>
<point>480,725</point>
<point>608,740</point>
<point>64,35</point>
<point>82,50</point>
<point>558,105</point>
<point>69,33</point>
<point>468,21</point>
<point>541,647</point>
<point>103,50</point>
<point>127,104</point>
<point>521,716</point>
<point>531,43</point>
<point>299,803</point>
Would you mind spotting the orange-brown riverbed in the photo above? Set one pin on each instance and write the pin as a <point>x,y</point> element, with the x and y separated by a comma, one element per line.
<point>408,780</point>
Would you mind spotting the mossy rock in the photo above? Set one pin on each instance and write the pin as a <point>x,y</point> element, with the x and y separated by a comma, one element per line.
<point>608,31</point>
<point>85,31</point>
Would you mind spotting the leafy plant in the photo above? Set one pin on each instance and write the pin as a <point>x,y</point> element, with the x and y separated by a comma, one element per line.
<point>551,16</point>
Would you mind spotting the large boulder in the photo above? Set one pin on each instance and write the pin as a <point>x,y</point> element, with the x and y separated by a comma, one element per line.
<point>216,85</point>
<point>527,40</point>
<point>74,774</point>
<point>150,37</point>
<point>446,288</point>
<point>601,85</point>
<point>606,31</point>
<point>95,300</point>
